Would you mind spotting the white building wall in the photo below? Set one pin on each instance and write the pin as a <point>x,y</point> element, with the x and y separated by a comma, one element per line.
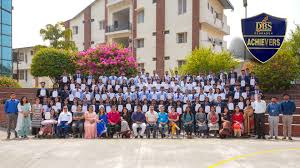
<point>25,65</point>
<point>98,14</point>
<point>145,30</point>
<point>177,24</point>
<point>78,38</point>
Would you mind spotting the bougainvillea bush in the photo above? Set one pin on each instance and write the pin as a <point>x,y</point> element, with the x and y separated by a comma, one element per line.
<point>106,60</point>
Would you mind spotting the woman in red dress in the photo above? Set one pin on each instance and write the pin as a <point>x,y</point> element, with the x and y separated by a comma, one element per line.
<point>237,122</point>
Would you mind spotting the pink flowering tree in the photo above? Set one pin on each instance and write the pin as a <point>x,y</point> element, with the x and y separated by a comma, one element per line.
<point>107,59</point>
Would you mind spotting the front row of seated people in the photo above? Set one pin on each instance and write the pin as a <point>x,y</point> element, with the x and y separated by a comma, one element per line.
<point>90,125</point>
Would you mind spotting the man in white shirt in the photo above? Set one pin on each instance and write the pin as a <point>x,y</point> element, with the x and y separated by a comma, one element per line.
<point>259,107</point>
<point>64,122</point>
<point>151,119</point>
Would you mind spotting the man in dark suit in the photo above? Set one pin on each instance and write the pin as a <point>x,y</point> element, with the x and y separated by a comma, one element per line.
<point>42,92</point>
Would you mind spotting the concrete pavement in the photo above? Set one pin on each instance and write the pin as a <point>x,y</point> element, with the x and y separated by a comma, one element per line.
<point>143,153</point>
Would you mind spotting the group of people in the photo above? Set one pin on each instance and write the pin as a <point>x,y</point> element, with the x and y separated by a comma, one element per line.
<point>224,105</point>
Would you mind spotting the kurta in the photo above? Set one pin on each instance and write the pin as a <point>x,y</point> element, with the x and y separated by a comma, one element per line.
<point>36,116</point>
<point>23,123</point>
<point>90,125</point>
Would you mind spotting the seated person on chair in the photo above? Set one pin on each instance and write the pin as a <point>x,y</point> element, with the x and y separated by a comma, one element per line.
<point>151,118</point>
<point>213,121</point>
<point>201,122</point>
<point>77,125</point>
<point>138,120</point>
<point>63,123</point>
<point>174,122</point>
<point>237,122</point>
<point>188,120</point>
<point>163,121</point>
<point>125,130</point>
<point>114,120</point>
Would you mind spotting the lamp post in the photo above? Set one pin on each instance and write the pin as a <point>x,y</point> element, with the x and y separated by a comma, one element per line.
<point>245,6</point>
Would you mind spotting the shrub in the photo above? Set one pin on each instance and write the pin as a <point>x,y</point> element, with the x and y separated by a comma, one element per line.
<point>51,62</point>
<point>279,72</point>
<point>107,59</point>
<point>7,82</point>
<point>204,60</point>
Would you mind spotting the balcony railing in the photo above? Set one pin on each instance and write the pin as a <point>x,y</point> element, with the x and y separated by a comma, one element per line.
<point>118,27</point>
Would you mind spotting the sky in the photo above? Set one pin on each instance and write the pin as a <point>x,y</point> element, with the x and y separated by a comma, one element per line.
<point>29,16</point>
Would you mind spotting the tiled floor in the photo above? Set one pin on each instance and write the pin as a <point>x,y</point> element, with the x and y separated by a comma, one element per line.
<point>143,153</point>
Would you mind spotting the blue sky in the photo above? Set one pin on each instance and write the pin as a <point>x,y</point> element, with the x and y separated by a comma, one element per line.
<point>29,16</point>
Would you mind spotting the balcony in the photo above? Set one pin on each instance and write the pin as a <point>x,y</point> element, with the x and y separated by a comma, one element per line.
<point>111,3</point>
<point>118,28</point>
<point>218,21</point>
<point>214,43</point>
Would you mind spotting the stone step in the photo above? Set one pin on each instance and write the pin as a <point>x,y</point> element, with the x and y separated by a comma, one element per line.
<point>296,118</point>
<point>295,129</point>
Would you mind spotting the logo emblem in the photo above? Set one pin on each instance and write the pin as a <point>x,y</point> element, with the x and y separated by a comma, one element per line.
<point>263,35</point>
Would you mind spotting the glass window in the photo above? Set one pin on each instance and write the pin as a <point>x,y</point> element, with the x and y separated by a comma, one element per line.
<point>181,7</point>
<point>6,4</point>
<point>6,66</point>
<point>6,29</point>
<point>140,16</point>
<point>6,53</point>
<point>182,37</point>
<point>6,41</point>
<point>6,17</point>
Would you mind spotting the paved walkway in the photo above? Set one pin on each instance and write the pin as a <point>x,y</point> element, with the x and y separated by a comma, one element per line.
<point>153,153</point>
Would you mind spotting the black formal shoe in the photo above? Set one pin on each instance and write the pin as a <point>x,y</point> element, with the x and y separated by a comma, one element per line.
<point>136,137</point>
<point>141,137</point>
<point>290,138</point>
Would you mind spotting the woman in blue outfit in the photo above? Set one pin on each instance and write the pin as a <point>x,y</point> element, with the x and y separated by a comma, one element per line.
<point>102,124</point>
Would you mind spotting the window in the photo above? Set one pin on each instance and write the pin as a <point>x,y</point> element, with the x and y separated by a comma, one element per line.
<point>181,7</point>
<point>211,9</point>
<point>141,66</point>
<point>6,4</point>
<point>6,53</point>
<point>6,41</point>
<point>6,17</point>
<point>101,25</point>
<point>6,29</point>
<point>140,16</point>
<point>140,43</point>
<point>31,52</point>
<point>21,57</point>
<point>180,63</point>
<point>21,75</point>
<point>75,29</point>
<point>207,5</point>
<point>6,67</point>
<point>182,37</point>
<point>154,1</point>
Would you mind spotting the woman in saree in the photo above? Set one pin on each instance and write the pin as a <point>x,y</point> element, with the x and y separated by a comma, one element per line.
<point>102,124</point>
<point>248,118</point>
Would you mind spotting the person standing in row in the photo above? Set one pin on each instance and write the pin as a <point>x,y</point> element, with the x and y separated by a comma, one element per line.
<point>288,108</point>
<point>259,107</point>
<point>24,119</point>
<point>37,117</point>
<point>273,109</point>
<point>11,111</point>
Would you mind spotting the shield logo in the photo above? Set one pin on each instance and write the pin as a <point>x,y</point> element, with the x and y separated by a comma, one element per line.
<point>263,35</point>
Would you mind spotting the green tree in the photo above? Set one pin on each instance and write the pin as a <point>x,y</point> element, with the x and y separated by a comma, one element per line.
<point>58,36</point>
<point>205,60</point>
<point>278,73</point>
<point>295,42</point>
<point>52,63</point>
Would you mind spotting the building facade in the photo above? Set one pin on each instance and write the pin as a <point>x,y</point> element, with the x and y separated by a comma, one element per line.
<point>21,68</point>
<point>6,37</point>
<point>161,33</point>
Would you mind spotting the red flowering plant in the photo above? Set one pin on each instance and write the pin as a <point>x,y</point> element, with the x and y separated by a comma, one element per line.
<point>107,59</point>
